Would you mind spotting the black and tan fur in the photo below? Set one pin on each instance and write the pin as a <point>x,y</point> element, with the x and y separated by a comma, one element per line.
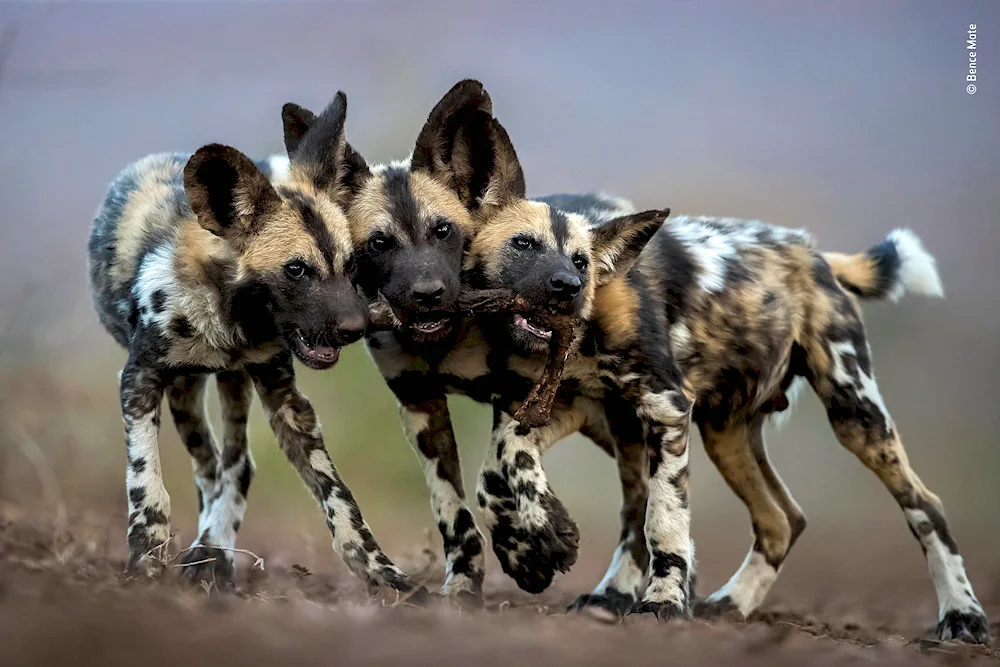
<point>710,327</point>
<point>200,266</point>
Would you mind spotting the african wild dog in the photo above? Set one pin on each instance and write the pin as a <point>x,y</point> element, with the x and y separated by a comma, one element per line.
<point>411,221</point>
<point>199,266</point>
<point>744,309</point>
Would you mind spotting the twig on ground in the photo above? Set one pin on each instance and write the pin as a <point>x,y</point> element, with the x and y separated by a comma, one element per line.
<point>197,562</point>
<point>257,563</point>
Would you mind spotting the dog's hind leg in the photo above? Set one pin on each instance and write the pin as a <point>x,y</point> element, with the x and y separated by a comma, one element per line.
<point>223,478</point>
<point>236,468</point>
<point>840,365</point>
<point>793,511</point>
<point>186,399</point>
<point>739,453</point>
<point>626,577</point>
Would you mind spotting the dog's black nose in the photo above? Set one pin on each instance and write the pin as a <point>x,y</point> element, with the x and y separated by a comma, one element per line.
<point>351,328</point>
<point>427,293</point>
<point>564,285</point>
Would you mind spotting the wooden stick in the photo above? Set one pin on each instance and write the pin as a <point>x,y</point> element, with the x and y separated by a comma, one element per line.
<point>381,316</point>
<point>536,409</point>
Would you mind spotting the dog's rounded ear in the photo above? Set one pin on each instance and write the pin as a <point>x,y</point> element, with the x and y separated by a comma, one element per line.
<point>296,121</point>
<point>496,178</point>
<point>432,151</point>
<point>466,149</point>
<point>617,243</point>
<point>227,191</point>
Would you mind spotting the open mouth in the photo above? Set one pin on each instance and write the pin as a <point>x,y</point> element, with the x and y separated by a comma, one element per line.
<point>320,355</point>
<point>431,327</point>
<point>521,322</point>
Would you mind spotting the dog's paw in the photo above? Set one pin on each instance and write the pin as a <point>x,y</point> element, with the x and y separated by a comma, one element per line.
<point>717,608</point>
<point>533,555</point>
<point>464,589</point>
<point>970,627</point>
<point>663,611</point>
<point>209,565</point>
<point>609,606</point>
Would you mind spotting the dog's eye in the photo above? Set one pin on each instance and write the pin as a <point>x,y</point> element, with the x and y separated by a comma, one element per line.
<point>295,270</point>
<point>580,262</point>
<point>380,243</point>
<point>523,242</point>
<point>442,229</point>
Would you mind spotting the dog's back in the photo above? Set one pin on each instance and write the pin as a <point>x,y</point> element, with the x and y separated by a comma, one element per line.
<point>737,296</point>
<point>142,210</point>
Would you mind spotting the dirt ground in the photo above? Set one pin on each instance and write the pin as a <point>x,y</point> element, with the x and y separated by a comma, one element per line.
<point>63,600</point>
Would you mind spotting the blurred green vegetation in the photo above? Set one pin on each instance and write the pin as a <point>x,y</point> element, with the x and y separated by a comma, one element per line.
<point>361,426</point>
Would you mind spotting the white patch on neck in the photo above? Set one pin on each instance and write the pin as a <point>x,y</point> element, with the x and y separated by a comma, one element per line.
<point>213,337</point>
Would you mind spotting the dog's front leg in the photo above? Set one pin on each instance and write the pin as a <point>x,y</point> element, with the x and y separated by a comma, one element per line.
<point>667,417</point>
<point>533,534</point>
<point>297,429</point>
<point>427,424</point>
<point>141,388</point>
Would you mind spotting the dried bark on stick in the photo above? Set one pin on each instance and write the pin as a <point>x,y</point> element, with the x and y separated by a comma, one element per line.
<point>536,409</point>
<point>381,316</point>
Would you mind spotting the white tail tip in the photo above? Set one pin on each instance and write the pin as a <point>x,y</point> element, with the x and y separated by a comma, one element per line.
<point>917,269</point>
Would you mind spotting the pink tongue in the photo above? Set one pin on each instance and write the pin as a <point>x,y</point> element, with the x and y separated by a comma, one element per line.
<point>324,351</point>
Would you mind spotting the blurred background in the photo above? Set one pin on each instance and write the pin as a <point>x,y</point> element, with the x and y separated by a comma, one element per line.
<point>847,118</point>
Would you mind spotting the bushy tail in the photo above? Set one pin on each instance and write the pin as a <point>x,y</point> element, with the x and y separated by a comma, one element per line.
<point>888,270</point>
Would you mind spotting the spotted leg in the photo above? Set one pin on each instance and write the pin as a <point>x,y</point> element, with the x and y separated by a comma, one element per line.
<point>427,425</point>
<point>738,452</point>
<point>186,398</point>
<point>227,510</point>
<point>845,381</point>
<point>533,534</point>
<point>141,389</point>
<point>667,417</point>
<point>222,479</point>
<point>298,432</point>
<point>625,579</point>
